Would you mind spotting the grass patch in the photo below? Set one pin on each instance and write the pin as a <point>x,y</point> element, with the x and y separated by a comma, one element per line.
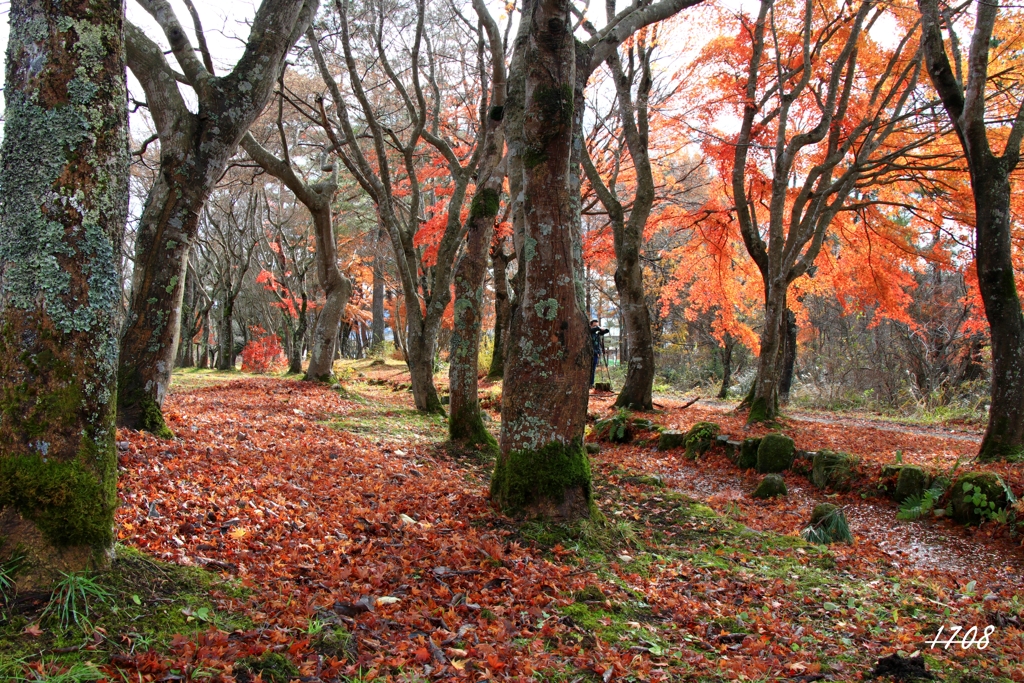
<point>380,420</point>
<point>144,604</point>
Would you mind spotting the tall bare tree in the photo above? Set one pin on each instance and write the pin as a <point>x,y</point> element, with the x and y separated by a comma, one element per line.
<point>194,151</point>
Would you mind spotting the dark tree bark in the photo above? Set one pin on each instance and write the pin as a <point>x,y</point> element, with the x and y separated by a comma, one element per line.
<point>788,357</point>
<point>502,310</point>
<point>194,151</point>
<point>377,304</point>
<point>990,184</point>
<point>725,351</point>
<point>542,468</point>
<point>64,173</point>
<point>465,423</point>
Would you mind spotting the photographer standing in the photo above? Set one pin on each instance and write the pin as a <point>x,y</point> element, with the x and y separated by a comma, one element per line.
<point>596,332</point>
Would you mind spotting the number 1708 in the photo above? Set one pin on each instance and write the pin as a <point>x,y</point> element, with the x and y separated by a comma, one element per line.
<point>970,638</point>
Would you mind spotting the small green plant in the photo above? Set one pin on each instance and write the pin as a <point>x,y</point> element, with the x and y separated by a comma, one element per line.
<point>73,600</point>
<point>617,429</point>
<point>314,627</point>
<point>8,570</point>
<point>79,672</point>
<point>899,457</point>
<point>982,505</point>
<point>917,506</point>
<point>829,527</point>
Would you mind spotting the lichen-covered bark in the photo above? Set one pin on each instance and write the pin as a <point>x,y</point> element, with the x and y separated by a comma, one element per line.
<point>62,213</point>
<point>545,392</point>
<point>194,151</point>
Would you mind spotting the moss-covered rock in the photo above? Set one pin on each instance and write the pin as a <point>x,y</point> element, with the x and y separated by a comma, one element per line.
<point>671,438</point>
<point>732,450</point>
<point>272,667</point>
<point>593,448</point>
<point>748,453</point>
<point>821,511</point>
<point>699,438</point>
<point>976,496</point>
<point>336,642</point>
<point>833,468</point>
<point>775,453</point>
<point>771,486</point>
<point>912,481</point>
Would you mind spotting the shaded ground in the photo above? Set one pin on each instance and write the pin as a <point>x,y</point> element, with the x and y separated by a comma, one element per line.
<point>360,550</point>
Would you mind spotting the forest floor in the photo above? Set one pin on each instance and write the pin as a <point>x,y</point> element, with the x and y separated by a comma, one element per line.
<point>293,530</point>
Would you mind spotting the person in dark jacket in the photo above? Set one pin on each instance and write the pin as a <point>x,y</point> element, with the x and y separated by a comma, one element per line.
<point>596,332</point>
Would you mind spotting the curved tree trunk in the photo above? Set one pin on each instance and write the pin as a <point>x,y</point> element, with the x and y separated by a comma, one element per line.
<point>194,151</point>
<point>62,215</point>
<point>337,289</point>
<point>465,422</point>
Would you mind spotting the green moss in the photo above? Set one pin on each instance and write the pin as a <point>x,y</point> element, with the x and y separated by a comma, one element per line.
<point>336,642</point>
<point>72,504</point>
<point>485,204</point>
<point>833,468</point>
<point>133,400</point>
<point>272,667</point>
<point>912,481</point>
<point>758,411</point>
<point>775,453</point>
<point>771,486</point>
<point>523,479</point>
<point>555,103</point>
<point>748,453</point>
<point>469,431</point>
<point>533,157</point>
<point>993,451</point>
<point>700,437</point>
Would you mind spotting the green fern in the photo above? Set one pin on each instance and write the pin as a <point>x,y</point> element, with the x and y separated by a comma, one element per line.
<point>917,506</point>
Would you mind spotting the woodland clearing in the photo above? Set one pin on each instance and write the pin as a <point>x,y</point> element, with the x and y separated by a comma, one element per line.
<point>335,529</point>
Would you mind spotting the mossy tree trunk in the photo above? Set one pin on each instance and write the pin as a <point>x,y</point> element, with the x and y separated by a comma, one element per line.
<point>542,468</point>
<point>194,151</point>
<point>465,423</point>
<point>725,352</point>
<point>62,215</point>
<point>990,185</point>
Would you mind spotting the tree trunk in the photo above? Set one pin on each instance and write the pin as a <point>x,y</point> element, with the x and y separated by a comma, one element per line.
<point>64,173</point>
<point>1004,436</point>
<point>226,338</point>
<point>788,357</point>
<point>542,468</point>
<point>337,289</point>
<point>764,403</point>
<point>502,312</point>
<point>629,281</point>
<point>194,153</point>
<point>377,305</point>
<point>726,353</point>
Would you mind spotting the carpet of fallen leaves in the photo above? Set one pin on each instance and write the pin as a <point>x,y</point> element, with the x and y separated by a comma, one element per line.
<point>391,539</point>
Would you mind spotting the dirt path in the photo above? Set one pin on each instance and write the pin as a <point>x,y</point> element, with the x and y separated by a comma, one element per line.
<point>851,421</point>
